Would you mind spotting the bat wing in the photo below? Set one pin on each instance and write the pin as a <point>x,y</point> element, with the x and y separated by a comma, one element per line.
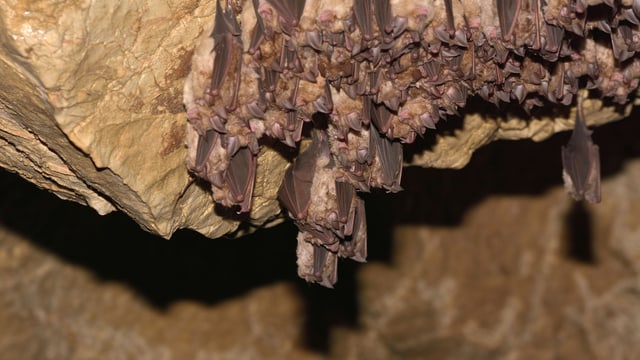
<point>359,236</point>
<point>295,194</point>
<point>355,247</point>
<point>362,11</point>
<point>383,15</point>
<point>344,194</point>
<point>290,11</point>
<point>295,191</point>
<point>593,192</point>
<point>258,31</point>
<point>381,118</point>
<point>508,11</point>
<point>389,154</point>
<point>448,5</point>
<point>581,163</point>
<point>240,178</point>
<point>325,266</point>
<point>206,143</point>
<point>224,29</point>
<point>316,263</point>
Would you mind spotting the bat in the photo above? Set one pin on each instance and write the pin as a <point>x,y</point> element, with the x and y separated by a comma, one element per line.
<point>259,32</point>
<point>381,118</point>
<point>383,15</point>
<point>325,266</point>
<point>356,246</point>
<point>362,11</point>
<point>581,162</point>
<point>316,263</point>
<point>324,103</point>
<point>205,145</point>
<point>448,5</point>
<point>290,12</point>
<point>240,177</point>
<point>389,155</point>
<point>344,194</point>
<point>224,29</point>
<point>619,43</point>
<point>295,190</point>
<point>555,35</point>
<point>508,11</point>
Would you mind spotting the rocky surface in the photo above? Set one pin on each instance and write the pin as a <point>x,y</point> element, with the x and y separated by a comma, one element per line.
<point>491,261</point>
<point>91,110</point>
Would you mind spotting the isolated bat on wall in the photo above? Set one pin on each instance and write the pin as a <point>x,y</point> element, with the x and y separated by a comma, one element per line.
<point>581,162</point>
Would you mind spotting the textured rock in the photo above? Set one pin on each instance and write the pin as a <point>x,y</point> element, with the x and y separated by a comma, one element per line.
<point>91,109</point>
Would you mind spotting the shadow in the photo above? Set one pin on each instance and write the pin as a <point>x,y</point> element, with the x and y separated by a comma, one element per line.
<point>579,246</point>
<point>113,247</point>
<point>191,266</point>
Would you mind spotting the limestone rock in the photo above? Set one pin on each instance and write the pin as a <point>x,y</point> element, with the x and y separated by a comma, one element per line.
<point>91,109</point>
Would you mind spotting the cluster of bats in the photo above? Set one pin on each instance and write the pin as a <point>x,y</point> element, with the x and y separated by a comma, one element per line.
<point>367,76</point>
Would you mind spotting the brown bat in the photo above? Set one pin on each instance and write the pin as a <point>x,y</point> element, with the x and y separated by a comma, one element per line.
<point>225,28</point>
<point>581,162</point>
<point>508,11</point>
<point>362,10</point>
<point>240,178</point>
<point>295,191</point>
<point>290,12</point>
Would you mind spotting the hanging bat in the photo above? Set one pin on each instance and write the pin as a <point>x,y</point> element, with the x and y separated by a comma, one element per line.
<point>316,263</point>
<point>295,191</point>
<point>355,247</point>
<point>389,155</point>
<point>581,162</point>
<point>508,11</point>
<point>290,12</point>
<point>362,10</point>
<point>240,178</point>
<point>225,28</point>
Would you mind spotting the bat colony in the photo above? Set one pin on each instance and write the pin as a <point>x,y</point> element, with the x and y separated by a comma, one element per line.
<point>370,75</point>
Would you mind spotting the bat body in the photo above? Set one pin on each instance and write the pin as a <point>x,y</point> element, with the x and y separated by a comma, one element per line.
<point>295,191</point>
<point>508,11</point>
<point>581,163</point>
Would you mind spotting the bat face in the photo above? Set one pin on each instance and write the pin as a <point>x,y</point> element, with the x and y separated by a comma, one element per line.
<point>581,163</point>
